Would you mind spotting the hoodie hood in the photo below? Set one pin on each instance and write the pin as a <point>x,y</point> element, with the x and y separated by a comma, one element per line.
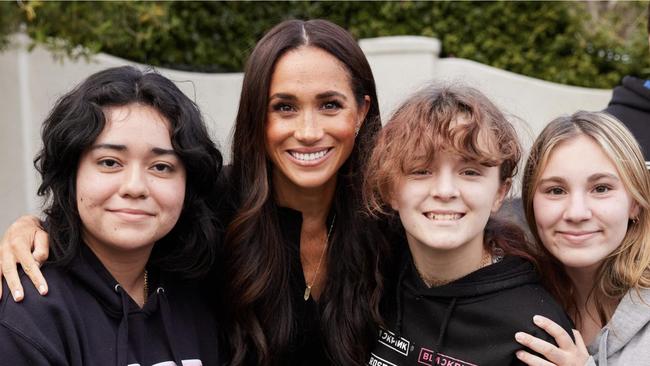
<point>633,92</point>
<point>116,302</point>
<point>470,321</point>
<point>629,322</point>
<point>631,105</point>
<point>509,272</point>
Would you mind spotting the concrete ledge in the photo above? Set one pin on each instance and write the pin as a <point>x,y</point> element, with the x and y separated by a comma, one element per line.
<point>400,45</point>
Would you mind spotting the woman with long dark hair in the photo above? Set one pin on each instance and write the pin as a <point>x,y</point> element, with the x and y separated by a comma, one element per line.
<point>308,111</point>
<point>301,278</point>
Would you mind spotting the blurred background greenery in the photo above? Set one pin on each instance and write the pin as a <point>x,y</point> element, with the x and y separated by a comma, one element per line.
<point>592,44</point>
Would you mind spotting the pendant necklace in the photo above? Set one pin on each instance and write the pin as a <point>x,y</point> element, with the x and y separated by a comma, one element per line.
<point>320,261</point>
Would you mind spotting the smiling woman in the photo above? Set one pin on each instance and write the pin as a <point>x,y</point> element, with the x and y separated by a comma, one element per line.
<point>313,118</point>
<point>124,222</point>
<point>303,266</point>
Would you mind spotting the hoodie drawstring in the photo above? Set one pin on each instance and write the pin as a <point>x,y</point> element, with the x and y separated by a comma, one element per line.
<point>123,329</point>
<point>168,324</point>
<point>602,348</point>
<point>443,326</point>
<point>398,301</point>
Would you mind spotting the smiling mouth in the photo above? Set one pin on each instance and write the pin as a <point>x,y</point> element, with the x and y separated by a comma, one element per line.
<point>578,236</point>
<point>131,212</point>
<point>444,216</point>
<point>307,157</point>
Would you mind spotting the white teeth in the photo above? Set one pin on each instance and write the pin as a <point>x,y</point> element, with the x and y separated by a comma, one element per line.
<point>309,156</point>
<point>444,217</point>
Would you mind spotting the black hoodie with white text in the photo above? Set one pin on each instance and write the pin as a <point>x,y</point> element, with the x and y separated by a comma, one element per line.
<point>469,322</point>
<point>86,319</point>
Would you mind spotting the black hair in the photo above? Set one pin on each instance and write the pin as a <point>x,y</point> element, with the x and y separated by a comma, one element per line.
<point>74,124</point>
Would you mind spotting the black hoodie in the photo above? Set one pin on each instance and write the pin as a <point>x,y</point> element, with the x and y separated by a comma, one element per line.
<point>471,321</point>
<point>631,105</point>
<point>87,319</point>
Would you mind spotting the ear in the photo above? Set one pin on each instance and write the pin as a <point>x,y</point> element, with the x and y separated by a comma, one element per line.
<point>364,107</point>
<point>502,192</point>
<point>634,210</point>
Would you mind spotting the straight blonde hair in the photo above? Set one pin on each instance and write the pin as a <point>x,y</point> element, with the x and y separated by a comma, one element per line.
<point>628,267</point>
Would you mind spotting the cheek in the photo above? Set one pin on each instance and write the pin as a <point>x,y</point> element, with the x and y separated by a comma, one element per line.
<point>546,213</point>
<point>171,197</point>
<point>92,189</point>
<point>616,214</point>
<point>345,128</point>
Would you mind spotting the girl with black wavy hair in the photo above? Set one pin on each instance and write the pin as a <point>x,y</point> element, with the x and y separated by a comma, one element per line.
<point>127,167</point>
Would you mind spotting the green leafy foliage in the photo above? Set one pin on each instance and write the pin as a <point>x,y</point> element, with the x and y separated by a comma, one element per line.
<point>575,43</point>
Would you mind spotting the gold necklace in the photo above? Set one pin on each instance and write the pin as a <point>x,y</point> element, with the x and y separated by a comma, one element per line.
<point>145,287</point>
<point>485,261</point>
<point>320,261</point>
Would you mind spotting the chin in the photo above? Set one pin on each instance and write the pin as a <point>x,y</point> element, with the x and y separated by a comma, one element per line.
<point>307,180</point>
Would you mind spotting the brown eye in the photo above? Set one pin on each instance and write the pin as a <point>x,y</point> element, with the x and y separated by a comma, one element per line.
<point>283,107</point>
<point>162,168</point>
<point>331,105</point>
<point>108,163</point>
<point>602,188</point>
<point>555,191</point>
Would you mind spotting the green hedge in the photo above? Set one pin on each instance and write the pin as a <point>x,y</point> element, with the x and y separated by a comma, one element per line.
<point>554,41</point>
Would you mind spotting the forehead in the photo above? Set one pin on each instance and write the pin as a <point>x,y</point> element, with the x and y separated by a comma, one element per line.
<point>136,124</point>
<point>307,69</point>
<point>578,158</point>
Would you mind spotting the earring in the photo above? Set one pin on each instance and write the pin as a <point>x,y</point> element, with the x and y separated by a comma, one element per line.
<point>635,220</point>
<point>356,130</point>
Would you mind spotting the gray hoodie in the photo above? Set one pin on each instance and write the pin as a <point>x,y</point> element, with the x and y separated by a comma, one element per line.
<point>625,340</point>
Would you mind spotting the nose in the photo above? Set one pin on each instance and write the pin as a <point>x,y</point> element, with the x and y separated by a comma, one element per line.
<point>443,186</point>
<point>134,183</point>
<point>578,208</point>
<point>308,129</point>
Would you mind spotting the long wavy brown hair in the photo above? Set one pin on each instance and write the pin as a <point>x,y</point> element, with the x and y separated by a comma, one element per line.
<point>628,266</point>
<point>258,292</point>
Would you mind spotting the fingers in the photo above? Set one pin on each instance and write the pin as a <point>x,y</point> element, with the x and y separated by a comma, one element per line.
<point>532,360</point>
<point>549,351</point>
<point>41,246</point>
<point>582,351</point>
<point>31,268</point>
<point>562,338</point>
<point>11,276</point>
<point>16,245</point>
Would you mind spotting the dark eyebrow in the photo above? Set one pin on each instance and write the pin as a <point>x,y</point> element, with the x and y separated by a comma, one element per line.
<point>155,150</point>
<point>283,96</point>
<point>329,94</point>
<point>109,146</point>
<point>324,95</point>
<point>161,151</point>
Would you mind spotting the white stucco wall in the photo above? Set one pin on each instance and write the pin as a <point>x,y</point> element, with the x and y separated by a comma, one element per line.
<point>30,83</point>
